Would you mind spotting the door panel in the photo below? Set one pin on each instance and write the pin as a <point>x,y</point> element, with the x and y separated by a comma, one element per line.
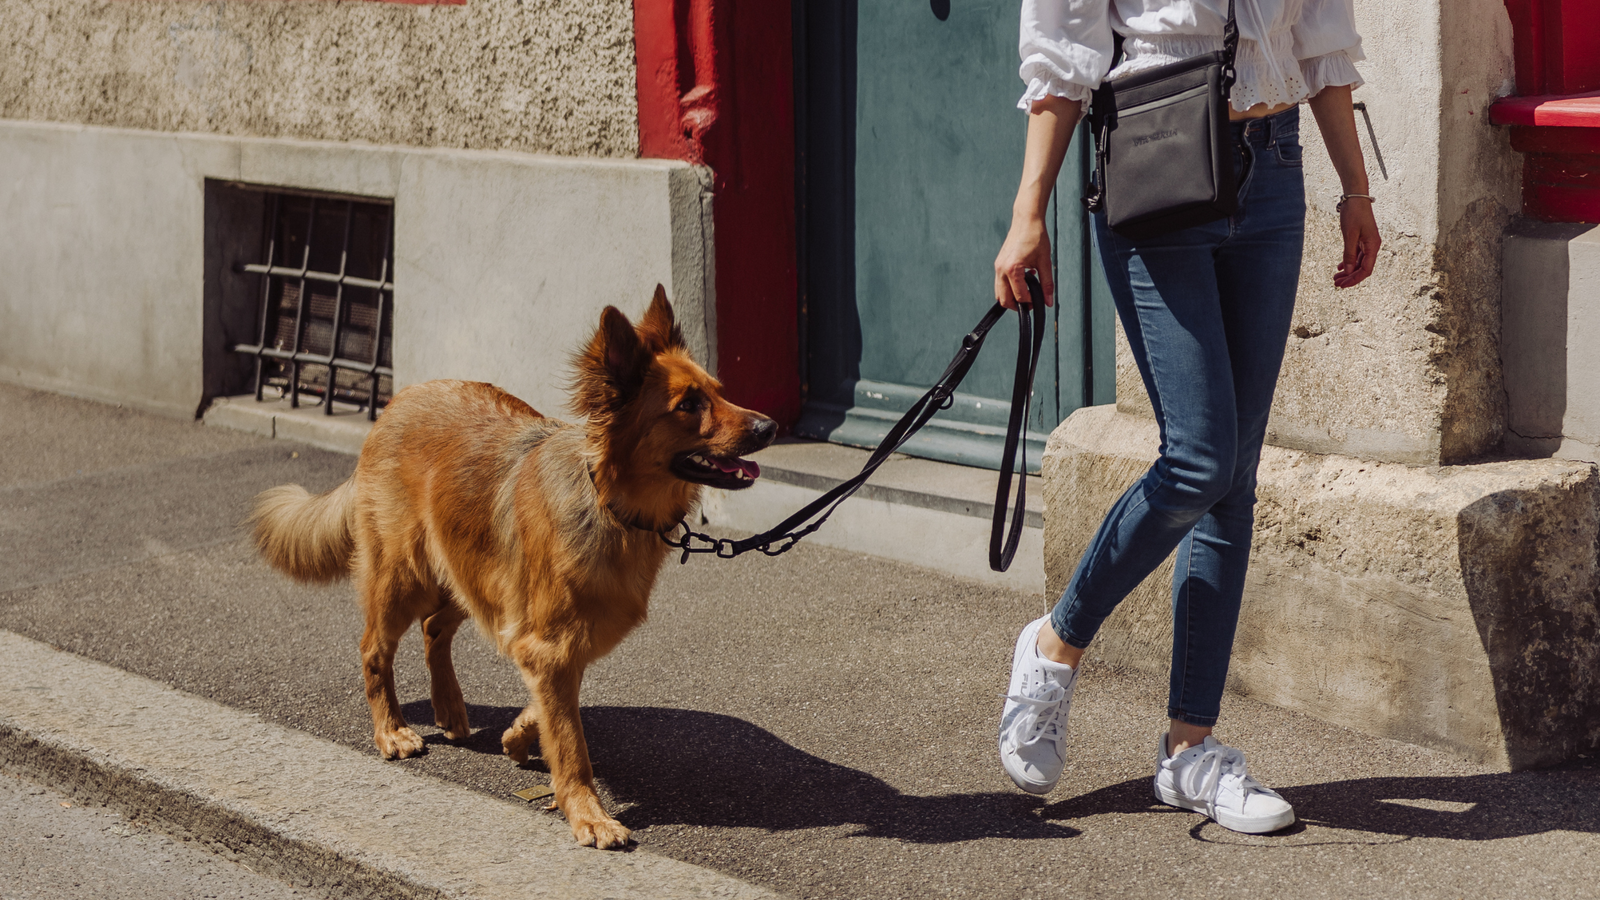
<point>911,150</point>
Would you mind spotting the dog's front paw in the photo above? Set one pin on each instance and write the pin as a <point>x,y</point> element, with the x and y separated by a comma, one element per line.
<point>398,744</point>
<point>603,833</point>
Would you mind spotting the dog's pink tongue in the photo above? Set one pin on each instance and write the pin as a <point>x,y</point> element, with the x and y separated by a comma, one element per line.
<point>749,468</point>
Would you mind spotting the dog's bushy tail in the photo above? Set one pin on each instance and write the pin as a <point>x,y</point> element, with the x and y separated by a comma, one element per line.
<point>303,536</point>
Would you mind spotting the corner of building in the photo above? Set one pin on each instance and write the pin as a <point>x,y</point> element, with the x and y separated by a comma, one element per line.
<point>1408,579</point>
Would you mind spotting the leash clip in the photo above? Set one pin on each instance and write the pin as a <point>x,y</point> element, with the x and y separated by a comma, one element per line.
<point>724,548</point>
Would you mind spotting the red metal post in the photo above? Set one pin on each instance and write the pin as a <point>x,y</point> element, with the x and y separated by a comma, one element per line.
<point>1556,119</point>
<point>715,84</point>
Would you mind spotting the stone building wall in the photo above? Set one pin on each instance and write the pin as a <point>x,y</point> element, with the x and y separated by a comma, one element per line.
<point>542,76</point>
<point>504,132</point>
<point>1405,367</point>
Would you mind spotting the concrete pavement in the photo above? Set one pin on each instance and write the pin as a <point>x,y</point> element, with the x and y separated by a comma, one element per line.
<point>52,847</point>
<point>289,804</point>
<point>820,724</point>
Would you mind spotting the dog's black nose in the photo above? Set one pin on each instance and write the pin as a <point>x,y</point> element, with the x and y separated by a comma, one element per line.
<point>764,430</point>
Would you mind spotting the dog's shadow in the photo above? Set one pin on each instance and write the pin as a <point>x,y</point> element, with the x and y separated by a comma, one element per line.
<point>685,767</point>
<point>488,723</point>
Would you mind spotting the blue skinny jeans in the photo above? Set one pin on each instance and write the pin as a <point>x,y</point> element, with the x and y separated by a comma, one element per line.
<point>1206,311</point>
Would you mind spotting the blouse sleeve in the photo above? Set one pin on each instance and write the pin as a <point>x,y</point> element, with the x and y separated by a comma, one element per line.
<point>1066,48</point>
<point>1327,45</point>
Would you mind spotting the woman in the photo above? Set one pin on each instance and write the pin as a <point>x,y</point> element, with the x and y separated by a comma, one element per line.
<point>1206,311</point>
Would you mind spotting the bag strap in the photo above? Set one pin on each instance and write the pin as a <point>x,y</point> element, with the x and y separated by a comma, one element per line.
<point>1002,546</point>
<point>1230,49</point>
<point>1230,52</point>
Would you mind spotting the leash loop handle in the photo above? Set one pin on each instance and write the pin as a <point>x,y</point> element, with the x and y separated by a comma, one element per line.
<point>1002,544</point>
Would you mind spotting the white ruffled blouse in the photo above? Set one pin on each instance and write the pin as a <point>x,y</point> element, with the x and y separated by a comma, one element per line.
<point>1289,50</point>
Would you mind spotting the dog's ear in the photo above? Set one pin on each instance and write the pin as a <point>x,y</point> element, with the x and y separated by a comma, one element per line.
<point>612,367</point>
<point>659,330</point>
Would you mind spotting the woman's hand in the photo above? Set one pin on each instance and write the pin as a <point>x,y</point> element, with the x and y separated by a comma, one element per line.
<point>1027,247</point>
<point>1336,118</point>
<point>1361,242</point>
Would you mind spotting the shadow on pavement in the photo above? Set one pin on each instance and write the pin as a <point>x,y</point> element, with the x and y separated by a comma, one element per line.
<point>1467,808</point>
<point>1132,796</point>
<point>1463,808</point>
<point>488,723</point>
<point>685,767</point>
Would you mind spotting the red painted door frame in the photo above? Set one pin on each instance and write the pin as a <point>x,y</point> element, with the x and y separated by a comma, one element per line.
<point>1555,119</point>
<point>715,82</point>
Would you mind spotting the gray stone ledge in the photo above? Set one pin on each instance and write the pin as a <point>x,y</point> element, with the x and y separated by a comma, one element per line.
<point>342,432</point>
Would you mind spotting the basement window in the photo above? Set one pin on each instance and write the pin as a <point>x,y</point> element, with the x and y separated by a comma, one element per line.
<point>325,313</point>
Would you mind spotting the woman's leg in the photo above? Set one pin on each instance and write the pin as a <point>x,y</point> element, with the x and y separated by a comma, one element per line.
<point>1167,298</point>
<point>1258,273</point>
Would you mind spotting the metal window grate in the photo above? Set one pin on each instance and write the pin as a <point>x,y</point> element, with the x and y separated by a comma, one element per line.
<point>327,301</point>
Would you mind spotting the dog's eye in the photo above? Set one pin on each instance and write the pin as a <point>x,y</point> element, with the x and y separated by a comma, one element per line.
<point>689,405</point>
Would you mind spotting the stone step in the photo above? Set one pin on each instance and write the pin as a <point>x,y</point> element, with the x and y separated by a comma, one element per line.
<point>931,514</point>
<point>1448,606</point>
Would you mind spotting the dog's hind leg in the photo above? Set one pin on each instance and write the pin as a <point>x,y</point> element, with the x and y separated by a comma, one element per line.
<point>438,630</point>
<point>389,602</point>
<point>522,738</point>
<point>554,676</point>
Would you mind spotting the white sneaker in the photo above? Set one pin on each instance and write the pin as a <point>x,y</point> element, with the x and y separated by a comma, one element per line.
<point>1210,778</point>
<point>1033,722</point>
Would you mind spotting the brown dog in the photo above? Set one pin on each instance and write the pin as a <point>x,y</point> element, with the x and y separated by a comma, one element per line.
<point>467,502</point>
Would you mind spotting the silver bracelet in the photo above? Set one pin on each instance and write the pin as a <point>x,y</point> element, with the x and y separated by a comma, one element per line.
<point>1339,207</point>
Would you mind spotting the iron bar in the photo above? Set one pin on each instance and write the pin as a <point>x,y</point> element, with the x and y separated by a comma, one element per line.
<point>266,287</point>
<point>309,275</point>
<point>338,306</point>
<point>377,331</point>
<point>300,306</point>
<point>1086,263</point>
<point>315,359</point>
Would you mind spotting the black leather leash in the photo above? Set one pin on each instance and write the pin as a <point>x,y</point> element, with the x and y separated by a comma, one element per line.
<point>1002,545</point>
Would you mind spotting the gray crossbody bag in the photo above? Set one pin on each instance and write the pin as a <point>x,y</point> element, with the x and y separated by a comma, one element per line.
<point>1164,148</point>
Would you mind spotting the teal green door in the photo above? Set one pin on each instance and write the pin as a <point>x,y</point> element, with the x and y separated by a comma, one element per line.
<point>910,153</point>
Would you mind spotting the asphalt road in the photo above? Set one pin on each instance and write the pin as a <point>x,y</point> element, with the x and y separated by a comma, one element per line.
<point>821,723</point>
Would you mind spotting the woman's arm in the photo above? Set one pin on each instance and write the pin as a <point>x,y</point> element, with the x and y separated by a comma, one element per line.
<point>1336,119</point>
<point>1050,124</point>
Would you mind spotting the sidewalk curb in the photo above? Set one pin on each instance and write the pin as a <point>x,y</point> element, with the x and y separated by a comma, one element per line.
<point>294,806</point>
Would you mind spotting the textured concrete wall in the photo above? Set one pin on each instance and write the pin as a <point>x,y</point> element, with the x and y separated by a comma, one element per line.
<point>545,76</point>
<point>1404,367</point>
<point>1452,607</point>
<point>503,260</point>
